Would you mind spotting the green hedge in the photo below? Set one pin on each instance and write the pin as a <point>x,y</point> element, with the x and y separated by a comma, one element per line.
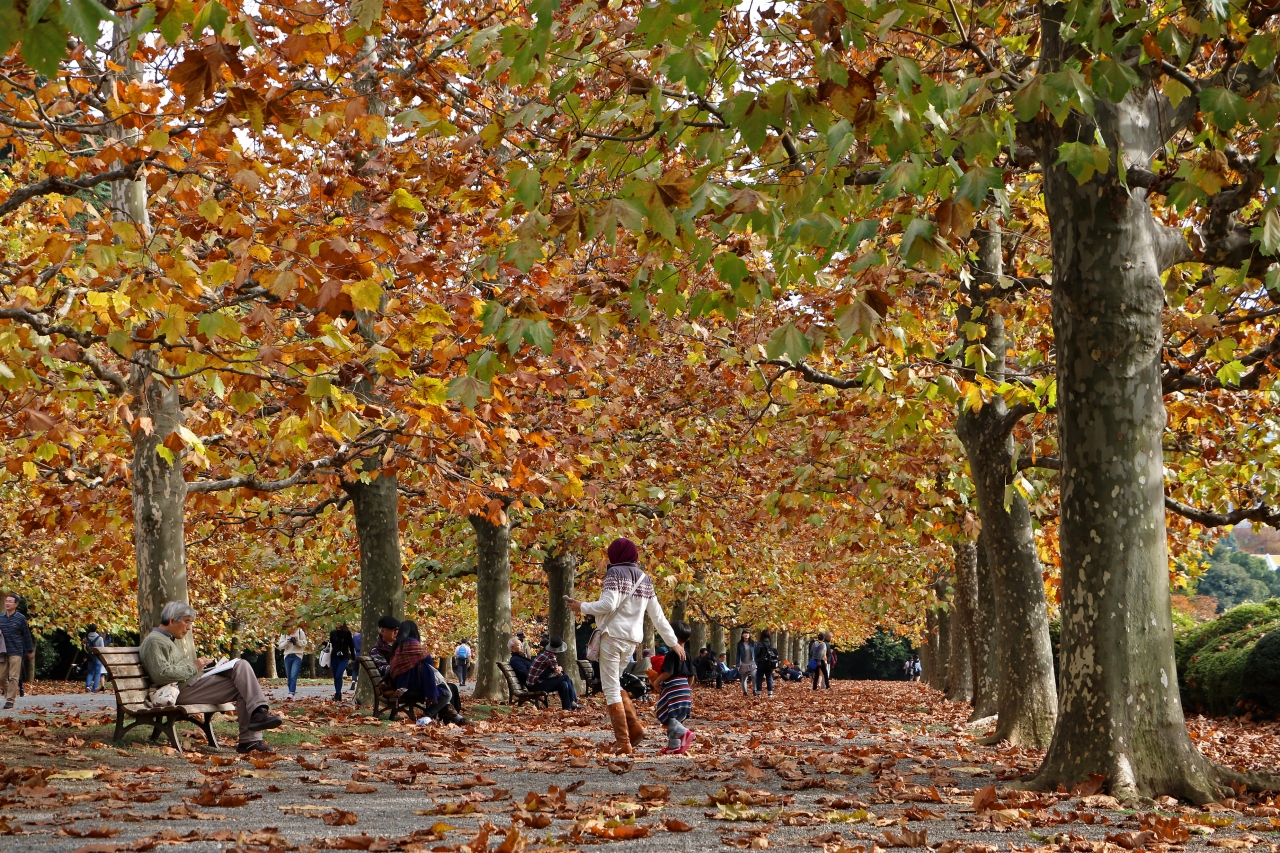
<point>1233,662</point>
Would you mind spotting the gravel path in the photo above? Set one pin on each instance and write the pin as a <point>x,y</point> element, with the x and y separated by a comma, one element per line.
<point>863,765</point>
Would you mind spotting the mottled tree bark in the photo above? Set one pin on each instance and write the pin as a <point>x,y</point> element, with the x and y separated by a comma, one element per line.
<point>963,662</point>
<point>375,508</point>
<point>560,567</point>
<point>987,666</point>
<point>1028,699</point>
<point>698,639</point>
<point>158,492</point>
<point>717,639</point>
<point>1121,714</point>
<point>493,604</point>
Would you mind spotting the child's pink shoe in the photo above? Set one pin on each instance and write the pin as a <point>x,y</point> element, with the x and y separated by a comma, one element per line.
<point>686,741</point>
<point>666,750</point>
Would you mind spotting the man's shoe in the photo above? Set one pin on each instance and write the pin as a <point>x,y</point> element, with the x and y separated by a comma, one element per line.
<point>253,746</point>
<point>8,706</point>
<point>262,719</point>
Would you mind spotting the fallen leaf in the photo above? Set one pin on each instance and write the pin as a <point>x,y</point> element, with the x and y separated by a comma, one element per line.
<point>338,817</point>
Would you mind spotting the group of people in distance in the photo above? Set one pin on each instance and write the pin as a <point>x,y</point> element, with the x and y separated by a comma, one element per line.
<point>542,673</point>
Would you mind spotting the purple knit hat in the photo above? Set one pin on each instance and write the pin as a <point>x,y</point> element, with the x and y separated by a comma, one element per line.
<point>623,550</point>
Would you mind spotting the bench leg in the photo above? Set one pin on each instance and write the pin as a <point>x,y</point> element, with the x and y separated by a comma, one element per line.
<point>172,733</point>
<point>120,729</point>
<point>207,727</point>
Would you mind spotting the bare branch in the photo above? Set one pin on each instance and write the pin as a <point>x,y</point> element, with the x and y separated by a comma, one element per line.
<point>1259,512</point>
<point>61,186</point>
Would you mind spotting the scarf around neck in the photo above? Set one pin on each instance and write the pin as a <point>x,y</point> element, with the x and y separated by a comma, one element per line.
<point>409,655</point>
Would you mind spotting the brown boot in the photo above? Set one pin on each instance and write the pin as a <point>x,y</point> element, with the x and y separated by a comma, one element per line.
<point>634,728</point>
<point>622,740</point>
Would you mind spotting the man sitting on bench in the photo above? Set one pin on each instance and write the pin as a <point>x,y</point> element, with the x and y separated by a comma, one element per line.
<point>166,662</point>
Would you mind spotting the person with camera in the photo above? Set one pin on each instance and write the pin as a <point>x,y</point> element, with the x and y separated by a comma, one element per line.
<point>294,645</point>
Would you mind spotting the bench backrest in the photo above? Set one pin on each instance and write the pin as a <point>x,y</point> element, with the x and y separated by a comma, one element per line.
<point>370,669</point>
<point>124,666</point>
<point>513,681</point>
<point>587,670</point>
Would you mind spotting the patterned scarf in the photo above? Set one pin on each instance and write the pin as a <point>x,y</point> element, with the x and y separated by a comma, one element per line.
<point>628,579</point>
<point>409,655</point>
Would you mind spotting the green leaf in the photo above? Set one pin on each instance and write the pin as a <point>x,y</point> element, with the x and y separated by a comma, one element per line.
<point>82,18</point>
<point>1231,373</point>
<point>319,386</point>
<point>839,139</point>
<point>467,390</point>
<point>790,342</point>
<point>366,12</point>
<point>917,242</point>
<point>1183,194</point>
<point>1027,101</point>
<point>1083,160</point>
<point>1175,91</point>
<point>686,66</point>
<point>540,335</point>
<point>1112,79</point>
<point>491,317</point>
<point>1225,108</point>
<point>524,254</point>
<point>1267,235</point>
<point>526,185</point>
<point>731,268</point>
<point>212,15</point>
<point>43,46</point>
<point>1261,50</point>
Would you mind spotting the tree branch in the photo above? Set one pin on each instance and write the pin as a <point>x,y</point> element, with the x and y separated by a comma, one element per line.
<point>815,376</point>
<point>61,186</point>
<point>251,481</point>
<point>1260,512</point>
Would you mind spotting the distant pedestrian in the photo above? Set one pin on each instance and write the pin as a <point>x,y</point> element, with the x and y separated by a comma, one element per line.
<point>354,668</point>
<point>746,660</point>
<point>461,661</point>
<point>818,663</point>
<point>342,651</point>
<point>93,677</point>
<point>916,669</point>
<point>18,644</point>
<point>767,660</point>
<point>294,645</point>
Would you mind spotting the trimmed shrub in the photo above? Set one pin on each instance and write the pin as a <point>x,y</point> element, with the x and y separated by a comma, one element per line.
<point>1217,667</point>
<point>1262,682</point>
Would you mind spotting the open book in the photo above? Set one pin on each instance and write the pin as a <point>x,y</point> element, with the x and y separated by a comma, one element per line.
<point>222,665</point>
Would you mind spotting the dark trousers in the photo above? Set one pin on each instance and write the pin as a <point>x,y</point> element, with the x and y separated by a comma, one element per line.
<point>762,676</point>
<point>826,676</point>
<point>339,667</point>
<point>460,667</point>
<point>561,684</point>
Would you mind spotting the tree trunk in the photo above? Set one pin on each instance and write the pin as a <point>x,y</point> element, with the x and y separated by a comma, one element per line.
<point>311,666</point>
<point>964,600</point>
<point>717,639</point>
<point>987,670</point>
<point>679,607</point>
<point>1121,714</point>
<point>1028,699</point>
<point>560,568</point>
<point>698,637</point>
<point>959,673</point>
<point>270,659</point>
<point>783,641</point>
<point>158,492</point>
<point>942,657</point>
<point>929,650</point>
<point>375,506</point>
<point>493,604</point>
<point>649,630</point>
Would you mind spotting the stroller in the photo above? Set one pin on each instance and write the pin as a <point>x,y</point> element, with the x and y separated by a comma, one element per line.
<point>634,686</point>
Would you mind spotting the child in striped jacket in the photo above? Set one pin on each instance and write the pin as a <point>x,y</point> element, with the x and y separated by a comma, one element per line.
<point>675,699</point>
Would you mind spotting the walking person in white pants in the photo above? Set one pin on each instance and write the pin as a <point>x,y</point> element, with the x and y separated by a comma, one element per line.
<point>625,598</point>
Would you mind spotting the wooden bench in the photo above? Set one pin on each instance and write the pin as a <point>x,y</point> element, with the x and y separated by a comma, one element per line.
<point>393,704</point>
<point>519,695</point>
<point>590,681</point>
<point>123,666</point>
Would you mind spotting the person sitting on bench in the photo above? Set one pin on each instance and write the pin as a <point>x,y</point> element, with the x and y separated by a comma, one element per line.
<point>417,680</point>
<point>706,668</point>
<point>166,661</point>
<point>547,676</point>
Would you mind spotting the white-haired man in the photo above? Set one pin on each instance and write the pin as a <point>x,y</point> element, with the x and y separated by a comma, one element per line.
<point>166,662</point>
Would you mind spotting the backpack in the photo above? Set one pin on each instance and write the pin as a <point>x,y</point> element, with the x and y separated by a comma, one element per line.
<point>768,656</point>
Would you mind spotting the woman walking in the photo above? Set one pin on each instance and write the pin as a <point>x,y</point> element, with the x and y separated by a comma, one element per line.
<point>818,653</point>
<point>342,650</point>
<point>747,662</point>
<point>626,597</point>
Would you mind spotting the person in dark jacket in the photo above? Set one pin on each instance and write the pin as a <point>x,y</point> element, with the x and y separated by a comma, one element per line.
<point>342,650</point>
<point>520,662</point>
<point>416,678</point>
<point>766,656</point>
<point>746,662</point>
<point>18,644</point>
<point>93,673</point>
<point>706,668</point>
<point>546,675</point>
